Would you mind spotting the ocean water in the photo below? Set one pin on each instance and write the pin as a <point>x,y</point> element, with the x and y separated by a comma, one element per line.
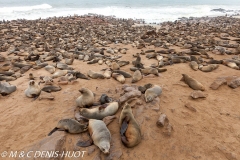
<point>149,10</point>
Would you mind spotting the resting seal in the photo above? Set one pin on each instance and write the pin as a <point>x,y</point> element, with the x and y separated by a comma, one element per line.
<point>191,82</point>
<point>100,112</point>
<point>100,135</point>
<point>130,129</point>
<point>69,125</point>
<point>33,89</point>
<point>152,93</point>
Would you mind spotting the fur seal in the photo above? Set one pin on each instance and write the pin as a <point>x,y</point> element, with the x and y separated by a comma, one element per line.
<point>6,88</point>
<point>152,93</point>
<point>145,87</point>
<point>100,134</point>
<point>46,79</point>
<point>115,66</point>
<point>193,65</point>
<point>100,112</point>
<point>59,73</point>
<point>122,63</point>
<point>125,74</point>
<point>120,78</point>
<point>107,73</point>
<point>80,75</point>
<point>95,75</point>
<point>130,130</point>
<point>209,67</point>
<point>7,78</point>
<point>70,126</point>
<point>5,67</point>
<point>105,99</point>
<point>86,99</point>
<point>191,82</point>
<point>137,76</point>
<point>50,69</point>
<point>51,88</point>
<point>150,70</point>
<point>33,89</point>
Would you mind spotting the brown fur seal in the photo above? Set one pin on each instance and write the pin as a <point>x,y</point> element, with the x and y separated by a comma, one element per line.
<point>50,69</point>
<point>125,74</point>
<point>150,70</point>
<point>193,65</point>
<point>191,82</point>
<point>105,99</point>
<point>5,67</point>
<point>152,93</point>
<point>33,89</point>
<point>59,73</point>
<point>100,134</point>
<point>107,73</point>
<point>115,66</point>
<point>209,67</point>
<point>51,88</point>
<point>6,88</point>
<point>122,63</point>
<point>70,126</point>
<point>95,75</point>
<point>80,75</point>
<point>100,112</point>
<point>137,76</point>
<point>7,78</point>
<point>145,87</point>
<point>86,99</point>
<point>130,129</point>
<point>120,78</point>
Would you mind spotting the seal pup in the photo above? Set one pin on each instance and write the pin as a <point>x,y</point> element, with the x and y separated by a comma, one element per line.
<point>150,70</point>
<point>137,76</point>
<point>95,75</point>
<point>130,130</point>
<point>59,73</point>
<point>209,67</point>
<point>33,89</point>
<point>50,69</point>
<point>100,134</point>
<point>6,88</point>
<point>192,83</point>
<point>115,66</point>
<point>70,126</point>
<point>100,112</point>
<point>119,77</point>
<point>145,87</point>
<point>125,74</point>
<point>105,99</point>
<point>193,65</point>
<point>152,93</point>
<point>80,75</point>
<point>86,99</point>
<point>50,88</point>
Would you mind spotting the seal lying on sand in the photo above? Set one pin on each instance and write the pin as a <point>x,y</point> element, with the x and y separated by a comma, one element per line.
<point>100,112</point>
<point>100,134</point>
<point>152,93</point>
<point>69,125</point>
<point>191,82</point>
<point>130,129</point>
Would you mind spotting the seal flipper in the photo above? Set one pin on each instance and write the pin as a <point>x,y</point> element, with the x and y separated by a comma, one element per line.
<point>102,107</point>
<point>54,130</point>
<point>124,126</point>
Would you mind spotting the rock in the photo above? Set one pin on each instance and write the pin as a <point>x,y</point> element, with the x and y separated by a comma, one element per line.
<point>190,107</point>
<point>168,130</point>
<point>161,120</point>
<point>218,82</point>
<point>234,83</point>
<point>198,94</point>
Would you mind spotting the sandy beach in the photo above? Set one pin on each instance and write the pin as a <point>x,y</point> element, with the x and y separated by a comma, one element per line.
<point>208,129</point>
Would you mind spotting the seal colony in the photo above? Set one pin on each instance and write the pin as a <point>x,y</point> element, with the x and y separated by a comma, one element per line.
<point>119,63</point>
